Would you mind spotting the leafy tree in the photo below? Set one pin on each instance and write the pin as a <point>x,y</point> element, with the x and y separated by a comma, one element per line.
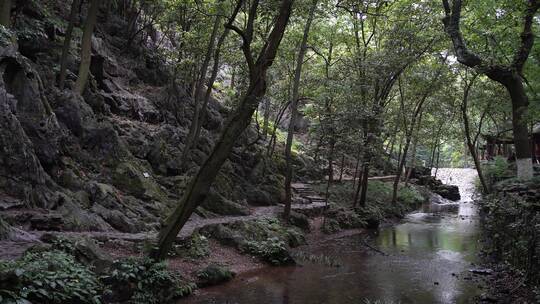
<point>509,74</point>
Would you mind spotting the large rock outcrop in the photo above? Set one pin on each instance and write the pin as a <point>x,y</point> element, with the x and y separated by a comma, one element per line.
<point>111,158</point>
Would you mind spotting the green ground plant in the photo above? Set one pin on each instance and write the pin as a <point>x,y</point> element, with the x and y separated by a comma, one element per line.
<point>48,277</point>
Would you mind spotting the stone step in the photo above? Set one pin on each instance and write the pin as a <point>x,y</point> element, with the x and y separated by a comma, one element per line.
<point>315,198</point>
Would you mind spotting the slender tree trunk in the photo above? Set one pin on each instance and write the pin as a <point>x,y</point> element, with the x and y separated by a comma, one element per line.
<point>86,46</point>
<point>471,147</point>
<point>437,164</point>
<point>356,169</point>
<point>191,137</point>
<point>469,141</point>
<point>412,163</point>
<point>5,13</point>
<point>273,137</point>
<point>213,76</point>
<point>433,150</point>
<point>67,43</point>
<point>294,112</point>
<point>266,118</point>
<point>369,141</point>
<point>342,167</point>
<point>237,122</point>
<point>233,78</point>
<point>330,171</point>
<point>357,189</point>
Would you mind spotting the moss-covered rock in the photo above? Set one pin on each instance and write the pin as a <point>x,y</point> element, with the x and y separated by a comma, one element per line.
<point>299,220</point>
<point>135,180</point>
<point>265,238</point>
<point>217,203</point>
<point>85,251</point>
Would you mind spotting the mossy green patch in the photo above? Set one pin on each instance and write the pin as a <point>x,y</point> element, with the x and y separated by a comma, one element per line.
<point>134,179</point>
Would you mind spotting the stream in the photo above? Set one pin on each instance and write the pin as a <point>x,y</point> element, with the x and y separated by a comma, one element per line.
<point>425,258</point>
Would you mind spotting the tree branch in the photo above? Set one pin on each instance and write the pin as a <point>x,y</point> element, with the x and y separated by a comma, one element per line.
<point>527,36</point>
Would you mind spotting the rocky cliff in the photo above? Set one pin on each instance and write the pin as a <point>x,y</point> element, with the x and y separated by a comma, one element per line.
<point>109,159</point>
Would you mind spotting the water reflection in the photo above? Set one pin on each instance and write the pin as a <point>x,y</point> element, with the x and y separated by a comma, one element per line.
<point>424,254</point>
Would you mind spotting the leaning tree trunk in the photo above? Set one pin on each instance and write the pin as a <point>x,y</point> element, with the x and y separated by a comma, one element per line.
<point>86,46</point>
<point>472,148</point>
<point>5,13</point>
<point>237,122</point>
<point>470,142</point>
<point>294,112</point>
<point>67,43</point>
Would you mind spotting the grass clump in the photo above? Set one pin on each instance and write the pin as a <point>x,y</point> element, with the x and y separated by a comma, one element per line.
<point>213,275</point>
<point>272,250</point>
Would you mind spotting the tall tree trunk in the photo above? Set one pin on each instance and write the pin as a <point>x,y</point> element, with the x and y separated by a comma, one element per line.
<point>5,13</point>
<point>519,124</point>
<point>237,122</point>
<point>191,137</point>
<point>364,185</point>
<point>86,46</point>
<point>294,112</point>
<point>437,164</point>
<point>67,43</point>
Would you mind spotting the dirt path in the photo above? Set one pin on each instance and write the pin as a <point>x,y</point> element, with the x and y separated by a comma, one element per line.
<point>11,249</point>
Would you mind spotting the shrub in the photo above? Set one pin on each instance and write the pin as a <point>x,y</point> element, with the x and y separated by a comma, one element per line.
<point>511,226</point>
<point>496,171</point>
<point>410,196</point>
<point>48,277</point>
<point>144,281</point>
